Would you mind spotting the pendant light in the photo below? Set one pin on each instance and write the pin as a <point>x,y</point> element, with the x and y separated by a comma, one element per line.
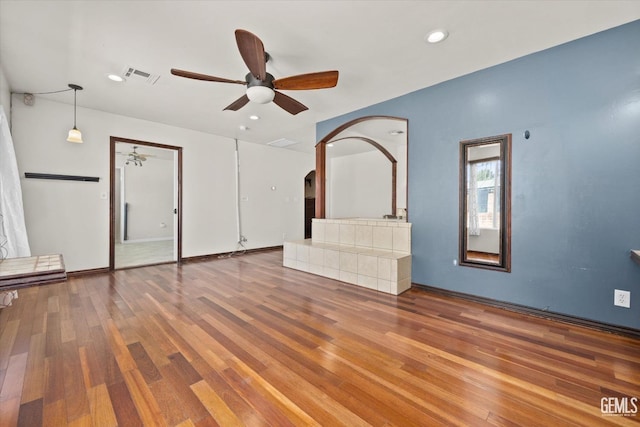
<point>74,134</point>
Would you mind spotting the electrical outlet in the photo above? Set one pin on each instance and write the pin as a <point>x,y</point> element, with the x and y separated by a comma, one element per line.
<point>622,298</point>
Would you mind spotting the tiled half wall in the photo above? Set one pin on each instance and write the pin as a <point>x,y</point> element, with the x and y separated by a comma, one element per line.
<point>375,254</point>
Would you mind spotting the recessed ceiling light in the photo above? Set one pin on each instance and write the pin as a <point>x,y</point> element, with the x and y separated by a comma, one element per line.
<point>436,36</point>
<point>243,127</point>
<point>115,78</point>
<point>254,117</point>
<point>330,144</point>
<point>396,132</point>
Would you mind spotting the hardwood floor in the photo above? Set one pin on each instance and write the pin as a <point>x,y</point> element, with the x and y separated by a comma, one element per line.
<point>483,256</point>
<point>244,341</point>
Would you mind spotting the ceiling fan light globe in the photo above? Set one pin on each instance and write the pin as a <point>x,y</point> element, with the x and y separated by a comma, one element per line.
<point>260,94</point>
<point>75,136</point>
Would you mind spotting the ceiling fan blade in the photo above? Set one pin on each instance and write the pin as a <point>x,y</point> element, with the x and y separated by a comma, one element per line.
<point>252,52</point>
<point>288,104</point>
<point>205,77</point>
<point>320,80</point>
<point>238,103</point>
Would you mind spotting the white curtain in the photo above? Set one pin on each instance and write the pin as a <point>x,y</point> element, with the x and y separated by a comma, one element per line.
<point>474,221</point>
<point>13,231</point>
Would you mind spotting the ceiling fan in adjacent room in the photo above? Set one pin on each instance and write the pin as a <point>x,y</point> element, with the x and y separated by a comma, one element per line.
<point>262,87</point>
<point>135,157</point>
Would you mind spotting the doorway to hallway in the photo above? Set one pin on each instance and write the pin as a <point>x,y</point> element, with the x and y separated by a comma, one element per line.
<point>145,203</point>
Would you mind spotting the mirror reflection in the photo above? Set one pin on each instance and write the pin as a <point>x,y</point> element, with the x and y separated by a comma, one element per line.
<point>363,166</point>
<point>485,203</point>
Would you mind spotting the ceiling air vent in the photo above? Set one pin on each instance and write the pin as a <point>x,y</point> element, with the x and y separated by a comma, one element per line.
<point>130,72</point>
<point>282,142</point>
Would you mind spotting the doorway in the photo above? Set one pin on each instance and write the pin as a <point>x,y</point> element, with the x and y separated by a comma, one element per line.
<point>309,202</point>
<point>145,203</point>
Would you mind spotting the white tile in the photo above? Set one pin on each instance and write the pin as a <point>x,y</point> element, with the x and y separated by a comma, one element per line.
<point>302,266</point>
<point>332,233</point>
<point>331,273</point>
<point>402,286</point>
<point>404,268</point>
<point>290,263</point>
<point>317,231</point>
<point>384,285</point>
<point>382,238</point>
<point>384,268</point>
<point>302,253</point>
<point>316,256</point>
<point>289,250</point>
<point>367,282</point>
<point>332,259</point>
<point>351,249</point>
<point>347,234</point>
<point>364,236</point>
<point>348,262</point>
<point>316,269</point>
<point>348,277</point>
<point>368,265</point>
<point>402,239</point>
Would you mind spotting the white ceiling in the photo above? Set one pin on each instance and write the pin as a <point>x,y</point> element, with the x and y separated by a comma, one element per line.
<point>377,46</point>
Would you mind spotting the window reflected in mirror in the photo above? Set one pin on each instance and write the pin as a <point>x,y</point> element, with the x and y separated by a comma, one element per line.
<point>485,175</point>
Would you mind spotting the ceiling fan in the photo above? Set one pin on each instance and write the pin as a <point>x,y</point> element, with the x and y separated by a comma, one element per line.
<point>262,86</point>
<point>135,157</point>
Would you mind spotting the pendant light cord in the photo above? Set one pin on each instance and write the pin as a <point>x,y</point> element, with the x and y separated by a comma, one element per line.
<point>42,93</point>
<point>75,94</point>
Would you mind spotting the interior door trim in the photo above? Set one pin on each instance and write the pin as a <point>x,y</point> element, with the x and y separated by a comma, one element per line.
<point>112,195</point>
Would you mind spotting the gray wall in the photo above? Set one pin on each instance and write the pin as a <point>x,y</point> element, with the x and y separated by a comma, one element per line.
<point>575,182</point>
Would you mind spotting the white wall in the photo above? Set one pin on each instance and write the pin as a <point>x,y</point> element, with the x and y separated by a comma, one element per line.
<point>5,93</point>
<point>488,241</point>
<point>268,215</point>
<point>401,176</point>
<point>72,218</point>
<point>360,186</point>
<point>149,192</point>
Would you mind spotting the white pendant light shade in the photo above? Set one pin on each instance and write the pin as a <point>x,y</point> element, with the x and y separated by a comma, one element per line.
<point>260,94</point>
<point>74,134</point>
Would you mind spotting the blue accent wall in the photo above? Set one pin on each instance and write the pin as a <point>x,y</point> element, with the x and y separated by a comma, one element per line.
<point>575,182</point>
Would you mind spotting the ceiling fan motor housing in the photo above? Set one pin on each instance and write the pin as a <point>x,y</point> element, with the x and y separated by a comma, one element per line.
<point>260,91</point>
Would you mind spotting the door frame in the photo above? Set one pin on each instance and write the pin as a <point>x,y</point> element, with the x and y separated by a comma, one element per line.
<point>112,180</point>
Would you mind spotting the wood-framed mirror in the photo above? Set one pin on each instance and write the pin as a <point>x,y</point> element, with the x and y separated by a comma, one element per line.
<point>361,169</point>
<point>485,203</point>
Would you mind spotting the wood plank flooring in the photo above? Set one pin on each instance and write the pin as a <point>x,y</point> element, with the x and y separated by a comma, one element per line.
<point>244,341</point>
